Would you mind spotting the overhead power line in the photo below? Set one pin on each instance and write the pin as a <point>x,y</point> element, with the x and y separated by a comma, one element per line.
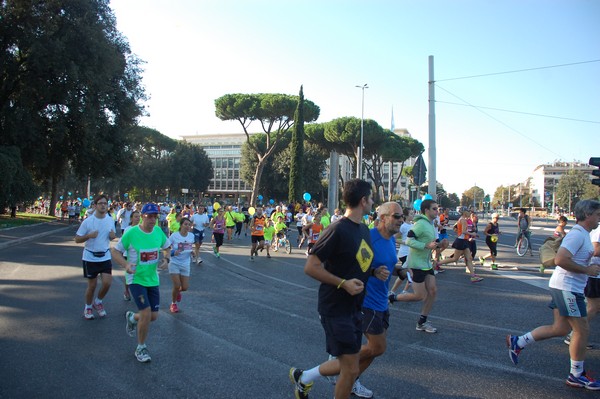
<point>519,70</point>
<point>501,122</point>
<point>517,112</point>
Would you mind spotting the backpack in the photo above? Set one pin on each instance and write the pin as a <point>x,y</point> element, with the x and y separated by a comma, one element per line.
<point>548,250</point>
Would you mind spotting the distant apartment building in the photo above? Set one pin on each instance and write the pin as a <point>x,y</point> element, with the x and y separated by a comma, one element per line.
<point>225,153</point>
<point>545,178</point>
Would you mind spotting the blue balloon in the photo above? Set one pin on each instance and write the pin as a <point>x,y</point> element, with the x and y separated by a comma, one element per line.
<point>417,204</point>
<point>427,196</point>
<point>125,195</point>
<point>260,197</point>
<point>271,201</point>
<point>86,202</point>
<point>61,197</point>
<point>306,197</point>
<point>69,193</point>
<point>78,199</point>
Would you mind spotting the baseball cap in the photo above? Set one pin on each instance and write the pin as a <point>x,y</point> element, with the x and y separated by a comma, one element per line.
<point>150,208</point>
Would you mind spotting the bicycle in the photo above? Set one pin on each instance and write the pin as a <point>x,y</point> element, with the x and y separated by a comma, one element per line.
<point>522,244</point>
<point>283,242</point>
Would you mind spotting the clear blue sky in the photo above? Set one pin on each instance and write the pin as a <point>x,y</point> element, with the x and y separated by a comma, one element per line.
<point>199,50</point>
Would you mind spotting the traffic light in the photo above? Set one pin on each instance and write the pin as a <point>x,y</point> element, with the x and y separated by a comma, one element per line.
<point>595,161</point>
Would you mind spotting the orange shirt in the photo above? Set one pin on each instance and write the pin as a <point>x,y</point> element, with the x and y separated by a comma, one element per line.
<point>315,231</point>
<point>259,226</point>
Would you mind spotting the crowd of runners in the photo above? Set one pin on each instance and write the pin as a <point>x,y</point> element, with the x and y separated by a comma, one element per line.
<point>355,254</point>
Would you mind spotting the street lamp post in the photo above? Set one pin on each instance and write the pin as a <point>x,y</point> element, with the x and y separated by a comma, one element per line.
<point>362,118</point>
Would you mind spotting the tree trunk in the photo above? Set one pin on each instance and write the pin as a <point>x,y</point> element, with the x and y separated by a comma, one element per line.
<point>53,195</point>
<point>257,176</point>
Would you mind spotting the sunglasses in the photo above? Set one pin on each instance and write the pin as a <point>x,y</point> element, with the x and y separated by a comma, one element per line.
<point>396,216</point>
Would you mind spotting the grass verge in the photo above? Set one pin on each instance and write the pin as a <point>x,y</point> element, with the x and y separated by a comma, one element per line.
<point>23,219</point>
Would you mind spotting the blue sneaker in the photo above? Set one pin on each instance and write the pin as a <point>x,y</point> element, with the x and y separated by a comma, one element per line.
<point>513,349</point>
<point>583,381</point>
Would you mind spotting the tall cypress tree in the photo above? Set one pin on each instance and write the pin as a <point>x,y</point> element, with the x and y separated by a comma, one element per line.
<point>297,144</point>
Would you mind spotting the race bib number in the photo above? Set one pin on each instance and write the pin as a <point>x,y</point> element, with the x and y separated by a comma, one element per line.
<point>259,227</point>
<point>148,257</point>
<point>315,236</point>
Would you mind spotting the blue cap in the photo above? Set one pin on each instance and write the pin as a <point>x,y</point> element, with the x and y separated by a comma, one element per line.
<point>150,208</point>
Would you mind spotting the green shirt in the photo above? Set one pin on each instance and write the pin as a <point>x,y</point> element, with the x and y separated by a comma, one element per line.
<point>144,248</point>
<point>280,227</point>
<point>269,231</point>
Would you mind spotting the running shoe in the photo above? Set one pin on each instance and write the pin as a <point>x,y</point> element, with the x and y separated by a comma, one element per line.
<point>475,278</point>
<point>268,256</point>
<point>300,390</point>
<point>427,327</point>
<point>494,266</point>
<point>583,381</point>
<point>361,391</point>
<point>142,355</point>
<point>179,296</point>
<point>513,348</point>
<point>218,254</point>
<point>481,260</point>
<point>439,269</point>
<point>129,326</point>
<point>98,307</point>
<point>567,341</point>
<point>126,296</point>
<point>251,258</point>
<point>88,314</point>
<point>173,308</point>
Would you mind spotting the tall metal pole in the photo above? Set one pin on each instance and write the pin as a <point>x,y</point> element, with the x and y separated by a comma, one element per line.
<point>359,172</point>
<point>432,153</point>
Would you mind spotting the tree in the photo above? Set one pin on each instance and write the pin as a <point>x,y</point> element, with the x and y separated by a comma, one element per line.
<point>276,173</point>
<point>297,152</point>
<point>400,149</point>
<point>472,196</point>
<point>573,187</point>
<point>70,90</point>
<point>274,112</point>
<point>16,184</point>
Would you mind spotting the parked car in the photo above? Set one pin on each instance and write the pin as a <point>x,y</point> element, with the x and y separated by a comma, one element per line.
<point>453,215</point>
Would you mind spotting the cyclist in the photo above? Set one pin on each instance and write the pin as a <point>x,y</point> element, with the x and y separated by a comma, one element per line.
<point>280,230</point>
<point>524,228</point>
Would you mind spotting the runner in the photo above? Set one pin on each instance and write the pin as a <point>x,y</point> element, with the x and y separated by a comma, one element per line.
<point>218,225</point>
<point>257,226</point>
<point>135,221</point>
<point>567,285</point>
<point>314,230</point>
<point>143,244</point>
<point>341,262</point>
<point>307,219</point>
<point>200,221</point>
<point>96,232</point>
<point>229,222</point>
<point>421,241</point>
<point>182,245</point>
<point>403,250</point>
<point>492,231</point>
<point>461,248</point>
<point>124,216</point>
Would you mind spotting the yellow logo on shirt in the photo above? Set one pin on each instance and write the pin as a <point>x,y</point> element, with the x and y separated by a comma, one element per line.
<point>364,256</point>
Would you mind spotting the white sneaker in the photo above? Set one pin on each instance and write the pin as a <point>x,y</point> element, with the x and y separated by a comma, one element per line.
<point>427,327</point>
<point>361,391</point>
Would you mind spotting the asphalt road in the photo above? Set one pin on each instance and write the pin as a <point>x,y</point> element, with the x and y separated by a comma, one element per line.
<point>244,324</point>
